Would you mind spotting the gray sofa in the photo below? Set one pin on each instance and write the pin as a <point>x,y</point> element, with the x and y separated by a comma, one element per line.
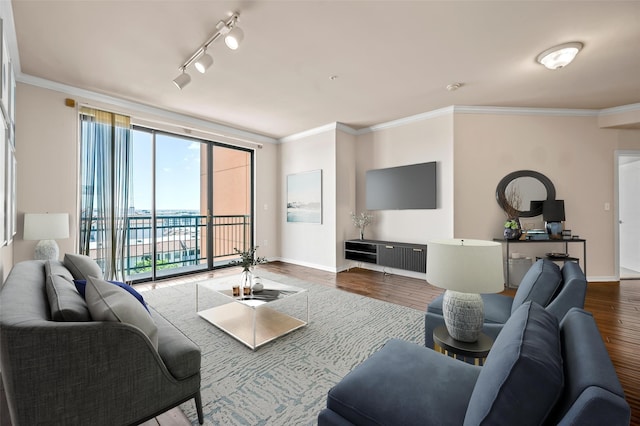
<point>537,373</point>
<point>61,366</point>
<point>558,290</point>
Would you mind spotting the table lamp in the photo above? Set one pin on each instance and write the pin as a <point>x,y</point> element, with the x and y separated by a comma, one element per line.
<point>553,215</point>
<point>465,268</point>
<point>47,228</point>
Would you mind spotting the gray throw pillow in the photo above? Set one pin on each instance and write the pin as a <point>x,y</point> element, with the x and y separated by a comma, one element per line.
<point>82,267</point>
<point>65,303</point>
<point>108,302</point>
<point>55,267</point>
<point>523,376</point>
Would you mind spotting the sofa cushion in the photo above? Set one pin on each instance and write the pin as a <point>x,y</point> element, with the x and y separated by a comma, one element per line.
<point>82,267</point>
<point>108,302</point>
<point>65,303</point>
<point>82,284</point>
<point>523,375</point>
<point>540,284</point>
<point>181,356</point>
<point>405,384</point>
<point>56,267</point>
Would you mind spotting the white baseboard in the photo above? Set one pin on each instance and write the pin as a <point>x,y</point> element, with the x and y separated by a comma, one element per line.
<point>602,279</point>
<point>306,264</point>
<point>389,271</point>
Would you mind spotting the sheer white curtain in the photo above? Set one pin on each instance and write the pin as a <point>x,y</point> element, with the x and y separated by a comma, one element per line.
<point>105,174</point>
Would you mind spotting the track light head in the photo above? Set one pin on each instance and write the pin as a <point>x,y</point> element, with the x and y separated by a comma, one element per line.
<point>234,38</point>
<point>182,80</point>
<point>204,62</point>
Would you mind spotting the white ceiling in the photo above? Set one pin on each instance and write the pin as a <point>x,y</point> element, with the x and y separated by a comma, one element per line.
<point>392,59</point>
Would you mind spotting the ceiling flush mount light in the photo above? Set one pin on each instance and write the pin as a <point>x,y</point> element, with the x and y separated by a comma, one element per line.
<point>233,36</point>
<point>453,87</point>
<point>559,56</point>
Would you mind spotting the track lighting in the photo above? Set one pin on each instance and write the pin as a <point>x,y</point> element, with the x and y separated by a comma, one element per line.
<point>182,80</point>
<point>204,62</point>
<point>233,36</point>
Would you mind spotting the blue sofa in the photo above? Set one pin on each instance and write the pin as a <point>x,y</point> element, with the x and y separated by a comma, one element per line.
<point>558,290</point>
<point>538,372</point>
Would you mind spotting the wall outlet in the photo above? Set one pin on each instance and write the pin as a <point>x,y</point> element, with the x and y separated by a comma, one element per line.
<point>265,243</point>
<point>607,207</point>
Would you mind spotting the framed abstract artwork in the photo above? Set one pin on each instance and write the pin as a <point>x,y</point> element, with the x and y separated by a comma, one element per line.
<point>304,197</point>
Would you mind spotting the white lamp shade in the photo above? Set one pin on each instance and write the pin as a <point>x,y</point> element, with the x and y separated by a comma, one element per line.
<point>47,226</point>
<point>466,266</point>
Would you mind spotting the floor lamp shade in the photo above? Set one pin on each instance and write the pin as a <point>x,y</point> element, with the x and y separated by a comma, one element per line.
<point>465,268</point>
<point>46,227</point>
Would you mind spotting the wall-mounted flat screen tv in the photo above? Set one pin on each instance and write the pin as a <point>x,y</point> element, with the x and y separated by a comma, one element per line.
<point>402,188</point>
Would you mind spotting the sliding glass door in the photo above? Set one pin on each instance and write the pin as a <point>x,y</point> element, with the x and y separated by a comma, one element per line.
<point>190,205</point>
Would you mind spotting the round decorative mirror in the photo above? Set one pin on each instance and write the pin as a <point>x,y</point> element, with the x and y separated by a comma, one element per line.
<point>518,192</point>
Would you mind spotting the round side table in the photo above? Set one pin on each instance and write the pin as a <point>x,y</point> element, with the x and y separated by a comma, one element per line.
<point>452,347</point>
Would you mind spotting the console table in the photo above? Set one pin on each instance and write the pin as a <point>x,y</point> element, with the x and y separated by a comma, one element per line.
<point>410,257</point>
<point>564,243</point>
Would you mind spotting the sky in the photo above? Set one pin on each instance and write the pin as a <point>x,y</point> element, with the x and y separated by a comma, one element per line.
<point>177,169</point>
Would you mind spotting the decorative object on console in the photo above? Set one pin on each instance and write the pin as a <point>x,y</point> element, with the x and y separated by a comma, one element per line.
<point>511,230</point>
<point>248,260</point>
<point>361,221</point>
<point>553,214</point>
<point>465,268</point>
<point>46,227</point>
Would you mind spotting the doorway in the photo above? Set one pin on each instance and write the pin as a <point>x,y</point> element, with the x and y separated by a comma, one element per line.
<point>628,198</point>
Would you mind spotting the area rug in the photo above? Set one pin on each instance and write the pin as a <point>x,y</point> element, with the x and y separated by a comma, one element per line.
<point>286,381</point>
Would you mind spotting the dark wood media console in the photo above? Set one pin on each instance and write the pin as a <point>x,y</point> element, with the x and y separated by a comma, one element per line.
<point>410,257</point>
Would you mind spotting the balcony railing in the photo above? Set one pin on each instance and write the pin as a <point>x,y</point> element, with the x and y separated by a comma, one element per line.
<point>180,242</point>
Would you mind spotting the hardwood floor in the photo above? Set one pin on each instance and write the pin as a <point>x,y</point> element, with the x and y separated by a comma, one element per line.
<point>614,306</point>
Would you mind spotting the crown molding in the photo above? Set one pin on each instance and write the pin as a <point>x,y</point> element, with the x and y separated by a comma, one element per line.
<point>406,120</point>
<point>319,130</point>
<point>560,112</point>
<point>136,107</point>
<point>620,109</point>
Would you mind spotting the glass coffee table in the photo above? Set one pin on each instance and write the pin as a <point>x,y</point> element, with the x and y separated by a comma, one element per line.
<point>258,318</point>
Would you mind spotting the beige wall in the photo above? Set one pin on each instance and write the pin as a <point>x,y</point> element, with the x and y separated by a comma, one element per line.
<point>416,142</point>
<point>46,149</point>
<point>345,193</point>
<point>306,243</point>
<point>573,152</point>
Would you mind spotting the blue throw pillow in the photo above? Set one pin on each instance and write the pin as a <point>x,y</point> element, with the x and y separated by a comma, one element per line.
<point>82,284</point>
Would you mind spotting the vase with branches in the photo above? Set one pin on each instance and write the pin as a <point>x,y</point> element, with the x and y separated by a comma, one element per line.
<point>512,209</point>
<point>361,221</point>
<point>247,261</point>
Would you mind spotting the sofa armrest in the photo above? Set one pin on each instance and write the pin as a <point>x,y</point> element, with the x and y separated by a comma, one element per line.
<point>571,295</point>
<point>85,373</point>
